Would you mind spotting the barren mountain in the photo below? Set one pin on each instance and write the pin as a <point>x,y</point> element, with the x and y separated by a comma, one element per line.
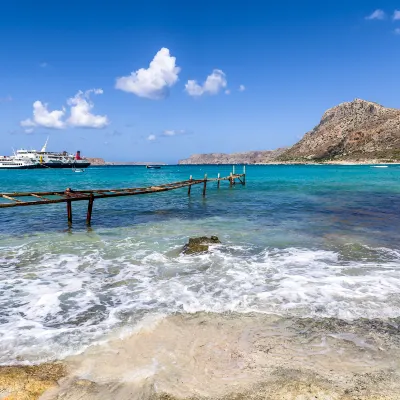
<point>356,130</point>
<point>250,157</point>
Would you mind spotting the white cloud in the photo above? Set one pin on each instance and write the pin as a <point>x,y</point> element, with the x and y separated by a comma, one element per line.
<point>151,138</point>
<point>397,31</point>
<point>43,117</point>
<point>30,130</point>
<point>396,15</point>
<point>80,111</point>
<point>80,107</point>
<point>377,14</point>
<point>242,88</point>
<point>227,91</point>
<point>171,132</point>
<point>213,84</point>
<point>153,82</point>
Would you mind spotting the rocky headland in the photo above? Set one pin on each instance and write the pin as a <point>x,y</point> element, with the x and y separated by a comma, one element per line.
<point>250,157</point>
<point>359,131</point>
<point>96,161</point>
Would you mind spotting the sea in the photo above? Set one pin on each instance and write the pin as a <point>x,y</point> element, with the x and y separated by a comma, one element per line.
<point>298,243</point>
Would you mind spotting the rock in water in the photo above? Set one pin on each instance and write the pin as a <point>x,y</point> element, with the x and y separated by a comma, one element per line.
<point>29,382</point>
<point>199,245</point>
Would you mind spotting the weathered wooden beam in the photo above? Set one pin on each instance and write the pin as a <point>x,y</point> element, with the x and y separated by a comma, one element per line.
<point>39,197</point>
<point>190,186</point>
<point>90,208</point>
<point>205,185</point>
<point>77,195</point>
<point>11,198</point>
<point>69,212</point>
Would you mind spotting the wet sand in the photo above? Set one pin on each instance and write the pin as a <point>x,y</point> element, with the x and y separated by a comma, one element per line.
<point>234,356</point>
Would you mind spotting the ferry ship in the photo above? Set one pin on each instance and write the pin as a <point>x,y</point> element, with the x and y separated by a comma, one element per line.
<point>17,163</point>
<point>44,158</point>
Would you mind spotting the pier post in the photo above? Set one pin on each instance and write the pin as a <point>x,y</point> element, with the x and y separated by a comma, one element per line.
<point>219,176</point>
<point>231,179</point>
<point>69,212</point>
<point>244,175</point>
<point>190,186</point>
<point>205,185</point>
<point>89,210</point>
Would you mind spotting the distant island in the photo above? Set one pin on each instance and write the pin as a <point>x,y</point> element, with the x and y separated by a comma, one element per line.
<point>359,131</point>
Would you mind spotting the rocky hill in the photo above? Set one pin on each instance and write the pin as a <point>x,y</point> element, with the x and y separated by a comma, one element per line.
<point>96,161</point>
<point>250,157</point>
<point>358,130</point>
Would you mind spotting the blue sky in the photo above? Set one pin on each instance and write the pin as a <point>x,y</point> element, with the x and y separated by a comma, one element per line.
<point>294,60</point>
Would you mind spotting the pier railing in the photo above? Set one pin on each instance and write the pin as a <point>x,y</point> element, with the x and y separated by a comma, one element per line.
<point>21,199</point>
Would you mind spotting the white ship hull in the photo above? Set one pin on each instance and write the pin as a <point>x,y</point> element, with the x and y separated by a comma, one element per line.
<point>47,159</point>
<point>15,163</point>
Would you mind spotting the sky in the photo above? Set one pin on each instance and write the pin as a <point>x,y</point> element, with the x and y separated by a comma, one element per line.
<point>161,80</point>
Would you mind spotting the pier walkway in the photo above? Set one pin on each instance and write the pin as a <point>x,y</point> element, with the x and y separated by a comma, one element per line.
<point>20,199</point>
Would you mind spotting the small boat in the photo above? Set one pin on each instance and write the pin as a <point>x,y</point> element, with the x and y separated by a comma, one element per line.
<point>78,170</point>
<point>153,167</point>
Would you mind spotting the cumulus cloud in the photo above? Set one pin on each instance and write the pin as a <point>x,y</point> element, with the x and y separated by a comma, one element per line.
<point>151,138</point>
<point>45,118</point>
<point>242,88</point>
<point>213,84</point>
<point>396,15</point>
<point>80,115</point>
<point>80,111</point>
<point>153,82</point>
<point>377,14</point>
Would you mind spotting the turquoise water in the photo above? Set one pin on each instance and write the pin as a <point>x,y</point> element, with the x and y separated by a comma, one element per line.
<point>308,241</point>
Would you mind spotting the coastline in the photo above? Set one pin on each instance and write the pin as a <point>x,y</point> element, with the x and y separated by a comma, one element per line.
<point>224,356</point>
<point>299,301</point>
<point>368,162</point>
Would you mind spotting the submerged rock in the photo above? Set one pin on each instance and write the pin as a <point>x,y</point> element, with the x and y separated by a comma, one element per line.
<point>199,245</point>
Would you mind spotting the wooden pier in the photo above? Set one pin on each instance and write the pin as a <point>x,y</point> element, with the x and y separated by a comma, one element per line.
<point>69,195</point>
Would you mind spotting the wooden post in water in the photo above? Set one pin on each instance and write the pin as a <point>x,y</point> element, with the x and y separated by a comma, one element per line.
<point>89,210</point>
<point>219,176</point>
<point>190,186</point>
<point>230,180</point>
<point>205,185</point>
<point>244,174</point>
<point>69,212</point>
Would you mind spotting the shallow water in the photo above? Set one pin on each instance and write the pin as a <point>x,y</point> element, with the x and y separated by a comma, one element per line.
<point>297,241</point>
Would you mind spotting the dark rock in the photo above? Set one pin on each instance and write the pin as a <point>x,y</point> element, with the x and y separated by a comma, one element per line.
<point>199,245</point>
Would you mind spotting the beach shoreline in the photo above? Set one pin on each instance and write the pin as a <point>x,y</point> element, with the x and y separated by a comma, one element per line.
<point>225,356</point>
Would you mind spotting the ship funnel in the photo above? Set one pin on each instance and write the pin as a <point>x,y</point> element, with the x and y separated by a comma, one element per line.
<point>78,155</point>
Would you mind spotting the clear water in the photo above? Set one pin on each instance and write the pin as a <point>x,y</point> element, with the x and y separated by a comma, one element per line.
<point>308,241</point>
